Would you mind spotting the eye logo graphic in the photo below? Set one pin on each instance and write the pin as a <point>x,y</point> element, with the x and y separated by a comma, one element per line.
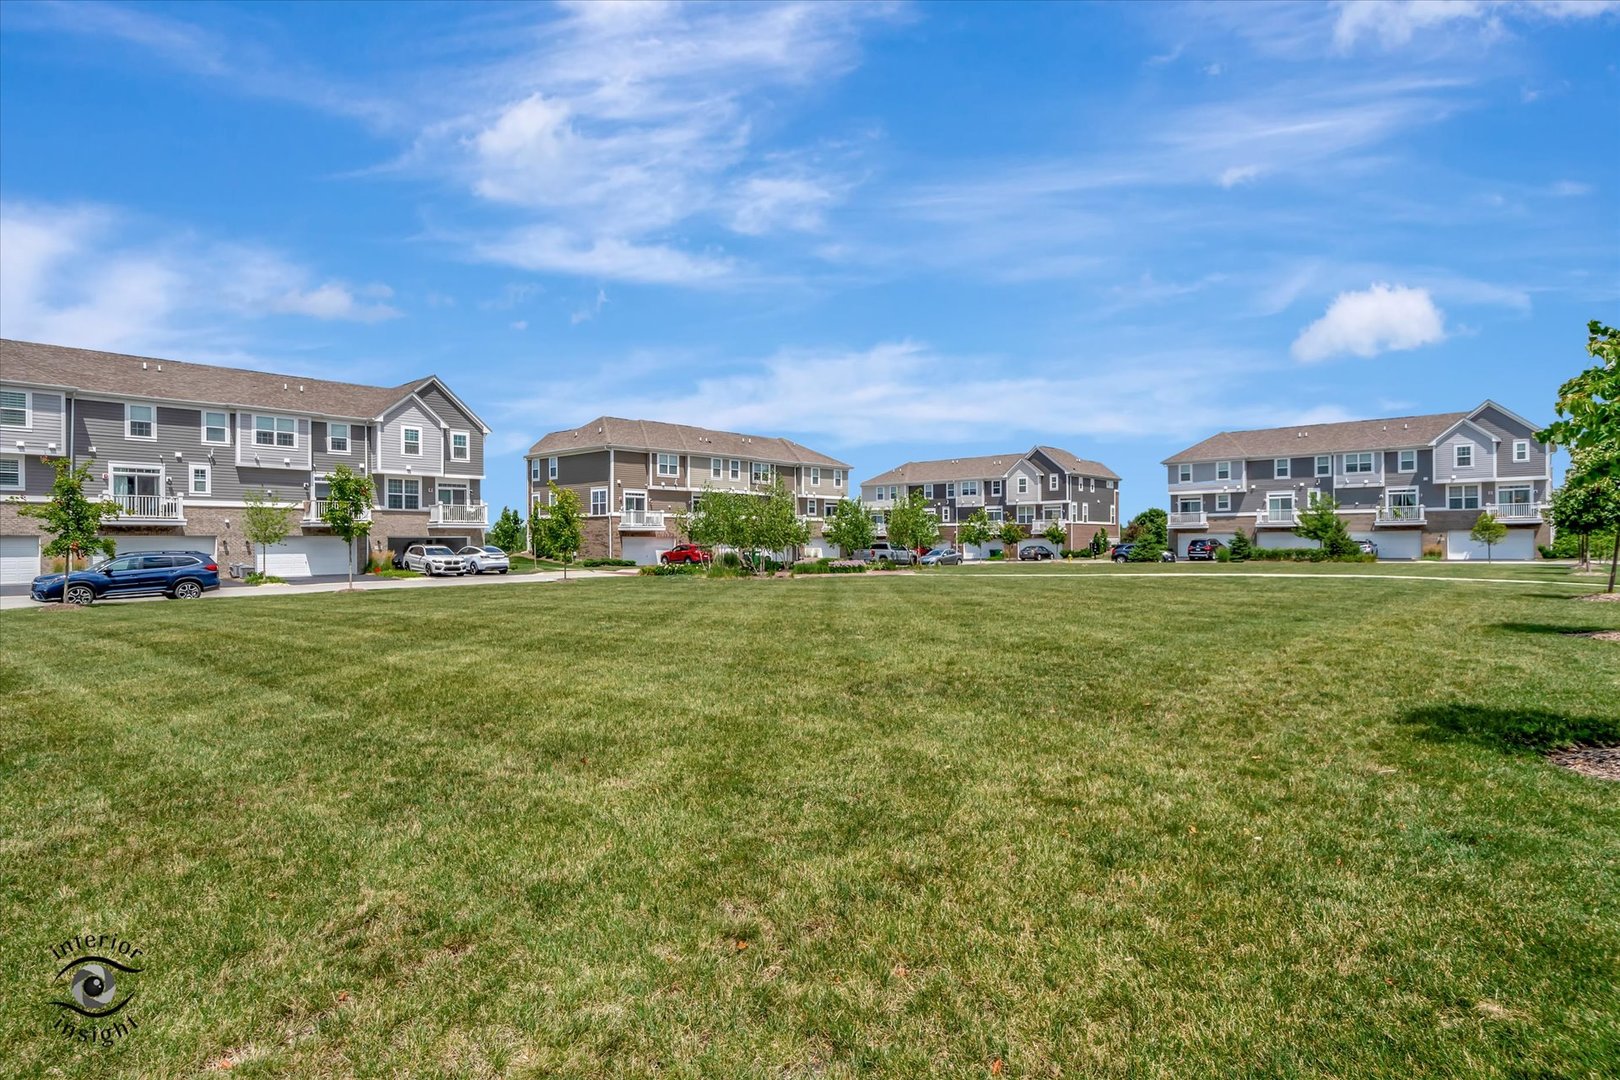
<point>97,988</point>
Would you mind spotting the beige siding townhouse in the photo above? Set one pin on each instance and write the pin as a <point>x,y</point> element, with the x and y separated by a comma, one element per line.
<point>178,446</point>
<point>1410,484</point>
<point>633,475</point>
<point>1036,488</point>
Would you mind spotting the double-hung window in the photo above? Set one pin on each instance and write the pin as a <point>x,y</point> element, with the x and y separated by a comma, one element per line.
<point>460,446</point>
<point>216,429</point>
<point>411,442</point>
<point>534,470</point>
<point>16,409</point>
<point>815,475</point>
<point>404,494</point>
<point>1324,464</point>
<point>1463,455</point>
<point>337,438</point>
<point>599,502</point>
<point>1521,450</point>
<point>1052,481</point>
<point>11,473</point>
<point>717,468</point>
<point>1023,485</point>
<point>1462,497</point>
<point>201,480</point>
<point>140,421</point>
<point>761,471</point>
<point>669,465</point>
<point>810,508</point>
<point>1223,470</point>
<point>970,489</point>
<point>1183,473</point>
<point>995,489</point>
<point>1223,502</point>
<point>734,469</point>
<point>1358,463</point>
<point>1406,461</point>
<point>551,468</point>
<point>279,431</point>
<point>1282,468</point>
<point>838,478</point>
<point>950,490</point>
<point>928,491</point>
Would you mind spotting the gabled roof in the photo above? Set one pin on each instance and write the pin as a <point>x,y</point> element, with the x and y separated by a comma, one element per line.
<point>620,434</point>
<point>1303,440</point>
<point>153,379</point>
<point>985,467</point>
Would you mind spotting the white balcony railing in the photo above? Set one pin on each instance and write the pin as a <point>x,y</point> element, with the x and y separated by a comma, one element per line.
<point>476,513</point>
<point>1276,519</point>
<point>150,507</point>
<point>316,514</point>
<point>641,519</point>
<point>1188,519</point>
<point>1516,511</point>
<point>1398,515</point>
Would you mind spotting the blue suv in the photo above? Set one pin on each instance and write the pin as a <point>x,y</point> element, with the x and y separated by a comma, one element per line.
<point>179,575</point>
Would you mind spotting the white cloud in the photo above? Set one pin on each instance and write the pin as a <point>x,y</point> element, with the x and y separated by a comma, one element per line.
<point>1396,23</point>
<point>520,324</point>
<point>1239,174</point>
<point>1566,189</point>
<point>547,247</point>
<point>89,276</point>
<point>591,310</point>
<point>1382,318</point>
<point>765,204</point>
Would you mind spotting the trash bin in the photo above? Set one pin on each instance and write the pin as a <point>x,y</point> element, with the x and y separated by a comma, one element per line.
<point>238,570</point>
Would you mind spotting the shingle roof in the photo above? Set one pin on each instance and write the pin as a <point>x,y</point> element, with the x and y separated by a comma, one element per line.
<point>94,372</point>
<point>621,434</point>
<point>1391,433</point>
<point>985,467</point>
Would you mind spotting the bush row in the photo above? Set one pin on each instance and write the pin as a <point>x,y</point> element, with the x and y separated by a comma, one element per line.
<point>607,562</point>
<point>1260,554</point>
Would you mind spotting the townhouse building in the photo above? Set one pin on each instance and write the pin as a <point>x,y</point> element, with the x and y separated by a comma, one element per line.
<point>1035,489</point>
<point>178,447</point>
<point>633,475</point>
<point>1414,485</point>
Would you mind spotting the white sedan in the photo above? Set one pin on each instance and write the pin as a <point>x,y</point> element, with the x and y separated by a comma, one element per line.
<point>488,558</point>
<point>433,559</point>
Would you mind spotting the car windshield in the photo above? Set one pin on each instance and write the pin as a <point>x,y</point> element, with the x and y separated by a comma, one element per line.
<point>493,551</point>
<point>939,551</point>
<point>439,551</point>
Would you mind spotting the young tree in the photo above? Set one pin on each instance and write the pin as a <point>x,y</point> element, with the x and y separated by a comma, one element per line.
<point>1152,525</point>
<point>1099,543</point>
<point>1589,501</point>
<point>507,532</point>
<point>1488,531</point>
<point>72,520</point>
<point>772,521</point>
<point>1241,546</point>
<point>559,529</point>
<point>1056,535</point>
<point>266,522</point>
<point>849,528</point>
<point>1589,414</point>
<point>912,524</point>
<point>1320,521</point>
<point>1010,533</point>
<point>348,508</point>
<point>976,531</point>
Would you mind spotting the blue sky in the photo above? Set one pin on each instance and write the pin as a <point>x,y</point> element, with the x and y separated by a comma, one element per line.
<point>889,231</point>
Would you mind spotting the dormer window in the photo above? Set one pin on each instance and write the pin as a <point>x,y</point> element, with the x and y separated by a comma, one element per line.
<point>1521,450</point>
<point>411,442</point>
<point>280,431</point>
<point>1464,455</point>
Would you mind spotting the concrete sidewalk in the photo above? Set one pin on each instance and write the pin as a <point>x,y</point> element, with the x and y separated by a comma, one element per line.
<point>234,590</point>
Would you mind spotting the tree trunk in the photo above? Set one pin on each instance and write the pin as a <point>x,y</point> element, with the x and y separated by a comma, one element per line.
<point>351,564</point>
<point>1614,561</point>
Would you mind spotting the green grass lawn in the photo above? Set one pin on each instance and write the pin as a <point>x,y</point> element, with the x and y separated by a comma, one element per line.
<point>906,826</point>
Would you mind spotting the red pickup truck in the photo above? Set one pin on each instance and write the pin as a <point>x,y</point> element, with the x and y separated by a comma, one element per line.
<point>685,553</point>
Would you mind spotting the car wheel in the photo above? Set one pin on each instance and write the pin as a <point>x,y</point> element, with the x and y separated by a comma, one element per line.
<point>1119,558</point>
<point>505,569</point>
<point>82,595</point>
<point>188,590</point>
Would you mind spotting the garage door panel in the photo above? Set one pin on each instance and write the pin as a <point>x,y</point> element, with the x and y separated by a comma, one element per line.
<point>644,549</point>
<point>1518,544</point>
<point>19,559</point>
<point>308,556</point>
<point>1395,543</point>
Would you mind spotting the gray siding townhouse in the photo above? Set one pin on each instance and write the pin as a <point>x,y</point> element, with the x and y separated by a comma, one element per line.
<point>178,446</point>
<point>1035,489</point>
<point>1413,485</point>
<point>632,475</point>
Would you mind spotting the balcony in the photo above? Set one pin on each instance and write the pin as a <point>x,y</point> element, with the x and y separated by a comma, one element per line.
<point>1517,513</point>
<point>1276,519</point>
<point>1188,519</point>
<point>1388,516</point>
<point>316,514</point>
<point>641,521</point>
<point>148,510</point>
<point>476,514</point>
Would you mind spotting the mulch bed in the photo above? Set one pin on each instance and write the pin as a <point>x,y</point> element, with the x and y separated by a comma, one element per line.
<point>1601,597</point>
<point>1602,762</point>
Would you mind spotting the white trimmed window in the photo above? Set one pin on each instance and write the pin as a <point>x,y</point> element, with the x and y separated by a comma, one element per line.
<point>1023,485</point>
<point>410,441</point>
<point>838,478</point>
<point>460,446</point>
<point>717,468</point>
<point>1462,496</point>
<point>995,489</point>
<point>1358,463</point>
<point>1223,470</point>
<point>16,409</point>
<point>970,489</point>
<point>1521,450</point>
<point>950,490</point>
<point>404,494</point>
<point>202,481</point>
<point>1463,455</point>
<point>1281,468</point>
<point>11,473</point>
<point>534,470</point>
<point>140,421</point>
<point>996,514</point>
<point>551,468</point>
<point>216,429</point>
<point>928,491</point>
<point>1183,473</point>
<point>762,472</point>
<point>815,474</point>
<point>669,465</point>
<point>1052,481</point>
<point>1223,502</point>
<point>1190,504</point>
<point>1026,514</point>
<point>810,508</point>
<point>1324,465</point>
<point>1406,461</point>
<point>599,502</point>
<point>279,431</point>
<point>734,469</point>
<point>337,438</point>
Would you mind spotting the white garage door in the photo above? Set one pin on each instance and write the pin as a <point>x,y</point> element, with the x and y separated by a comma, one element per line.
<point>130,542</point>
<point>1518,544</point>
<point>307,556</point>
<point>644,549</point>
<point>1281,538</point>
<point>19,559</point>
<point>1395,543</point>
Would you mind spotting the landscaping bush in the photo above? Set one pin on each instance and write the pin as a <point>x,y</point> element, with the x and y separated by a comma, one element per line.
<point>811,566</point>
<point>1075,553</point>
<point>1242,545</point>
<point>846,566</point>
<point>997,555</point>
<point>607,562</point>
<point>1223,554</point>
<point>669,569</point>
<point>1305,555</point>
<point>730,558</point>
<point>253,577</point>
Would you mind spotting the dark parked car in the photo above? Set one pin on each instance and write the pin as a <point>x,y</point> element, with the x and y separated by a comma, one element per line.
<point>1202,547</point>
<point>179,575</point>
<point>1035,553</point>
<point>1122,553</point>
<point>685,553</point>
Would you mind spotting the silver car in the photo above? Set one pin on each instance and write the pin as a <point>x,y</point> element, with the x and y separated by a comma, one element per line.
<point>484,559</point>
<point>433,559</point>
<point>942,556</point>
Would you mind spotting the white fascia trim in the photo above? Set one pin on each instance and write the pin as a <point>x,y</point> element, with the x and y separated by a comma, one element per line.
<point>454,400</point>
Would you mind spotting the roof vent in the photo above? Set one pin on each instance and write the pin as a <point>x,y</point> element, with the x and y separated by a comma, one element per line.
<point>143,365</point>
<point>160,367</point>
<point>300,385</point>
<point>284,386</point>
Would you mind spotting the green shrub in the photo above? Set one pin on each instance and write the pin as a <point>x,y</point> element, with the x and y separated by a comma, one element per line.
<point>670,569</point>
<point>997,555</point>
<point>253,577</point>
<point>1242,545</point>
<point>1223,554</point>
<point>1305,555</point>
<point>810,566</point>
<point>607,562</point>
<point>846,566</point>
